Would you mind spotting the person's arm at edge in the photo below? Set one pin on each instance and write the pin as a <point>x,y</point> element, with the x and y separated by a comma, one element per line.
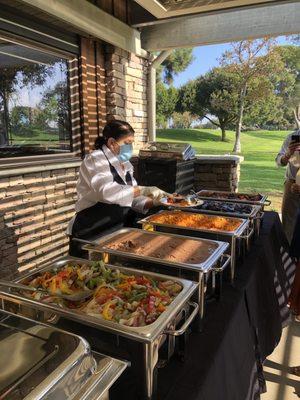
<point>283,156</point>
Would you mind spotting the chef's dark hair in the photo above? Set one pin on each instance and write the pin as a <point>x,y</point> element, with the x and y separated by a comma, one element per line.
<point>115,129</point>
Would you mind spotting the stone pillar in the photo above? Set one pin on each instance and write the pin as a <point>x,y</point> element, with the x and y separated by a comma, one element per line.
<point>126,84</point>
<point>217,173</point>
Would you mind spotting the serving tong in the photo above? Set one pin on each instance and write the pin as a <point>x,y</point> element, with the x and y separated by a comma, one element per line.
<point>190,198</point>
<point>82,295</point>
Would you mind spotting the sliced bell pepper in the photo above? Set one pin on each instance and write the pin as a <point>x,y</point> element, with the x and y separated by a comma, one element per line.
<point>106,314</point>
<point>65,288</point>
<point>161,308</point>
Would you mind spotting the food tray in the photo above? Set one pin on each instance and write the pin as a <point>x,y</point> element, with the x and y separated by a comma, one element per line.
<point>232,197</point>
<point>144,334</point>
<point>100,245</point>
<point>255,211</point>
<point>236,232</point>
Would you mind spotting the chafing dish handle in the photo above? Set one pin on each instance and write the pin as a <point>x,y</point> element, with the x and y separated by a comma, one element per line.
<point>248,236</point>
<point>83,241</point>
<point>259,215</point>
<point>267,202</point>
<point>187,323</point>
<point>86,245</point>
<point>220,269</point>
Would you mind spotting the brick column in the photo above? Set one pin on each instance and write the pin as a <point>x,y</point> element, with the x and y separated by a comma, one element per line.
<point>92,89</point>
<point>126,98</point>
<point>75,107</point>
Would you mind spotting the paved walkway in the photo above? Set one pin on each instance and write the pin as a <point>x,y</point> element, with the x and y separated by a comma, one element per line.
<point>281,385</point>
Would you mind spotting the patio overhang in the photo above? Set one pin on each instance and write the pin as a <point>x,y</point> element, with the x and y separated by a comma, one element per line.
<point>91,20</point>
<point>272,19</point>
<point>174,8</point>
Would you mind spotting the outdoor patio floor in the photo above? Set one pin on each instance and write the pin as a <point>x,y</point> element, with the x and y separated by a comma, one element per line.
<point>282,385</point>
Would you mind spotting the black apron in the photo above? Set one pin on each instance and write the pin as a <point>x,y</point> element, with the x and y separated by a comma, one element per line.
<point>101,218</point>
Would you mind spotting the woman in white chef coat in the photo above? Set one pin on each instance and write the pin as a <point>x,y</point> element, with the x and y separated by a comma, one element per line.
<point>108,194</point>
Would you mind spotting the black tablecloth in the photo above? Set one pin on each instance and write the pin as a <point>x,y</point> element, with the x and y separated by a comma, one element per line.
<point>224,361</point>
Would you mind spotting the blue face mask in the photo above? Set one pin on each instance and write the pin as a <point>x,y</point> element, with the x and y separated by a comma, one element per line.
<point>126,151</point>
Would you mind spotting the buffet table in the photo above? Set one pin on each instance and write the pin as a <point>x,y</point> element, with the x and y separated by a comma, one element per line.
<point>222,362</point>
<point>225,360</point>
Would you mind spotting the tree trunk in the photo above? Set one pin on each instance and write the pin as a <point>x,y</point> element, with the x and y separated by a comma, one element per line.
<point>297,116</point>
<point>223,133</point>
<point>5,119</point>
<point>237,145</point>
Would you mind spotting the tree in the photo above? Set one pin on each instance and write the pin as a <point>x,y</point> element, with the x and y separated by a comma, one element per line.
<point>186,98</point>
<point>288,85</point>
<point>175,63</point>
<point>182,121</point>
<point>250,61</point>
<point>55,107</point>
<point>212,94</point>
<point>166,99</point>
<point>21,120</point>
<point>15,77</point>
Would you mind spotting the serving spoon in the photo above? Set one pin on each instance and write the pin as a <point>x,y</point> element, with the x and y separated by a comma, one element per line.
<point>82,295</point>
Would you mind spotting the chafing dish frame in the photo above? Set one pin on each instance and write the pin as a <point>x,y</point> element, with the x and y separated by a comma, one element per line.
<point>262,202</point>
<point>202,269</point>
<point>231,236</point>
<point>150,336</point>
<point>168,150</point>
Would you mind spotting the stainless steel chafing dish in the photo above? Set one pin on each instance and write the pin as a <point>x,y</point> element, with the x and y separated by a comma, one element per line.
<point>233,197</point>
<point>213,265</point>
<point>179,151</point>
<point>41,362</point>
<point>230,209</point>
<point>243,231</point>
<point>148,339</point>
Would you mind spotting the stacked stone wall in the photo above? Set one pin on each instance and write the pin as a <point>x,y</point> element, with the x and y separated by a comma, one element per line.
<point>35,209</point>
<point>214,175</point>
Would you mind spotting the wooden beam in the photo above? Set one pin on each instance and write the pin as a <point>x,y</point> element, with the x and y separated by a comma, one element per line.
<point>223,27</point>
<point>93,21</point>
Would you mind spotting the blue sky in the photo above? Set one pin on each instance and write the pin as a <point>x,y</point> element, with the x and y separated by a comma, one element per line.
<point>206,57</point>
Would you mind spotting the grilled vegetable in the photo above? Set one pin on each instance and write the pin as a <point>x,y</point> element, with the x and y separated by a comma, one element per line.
<point>130,300</point>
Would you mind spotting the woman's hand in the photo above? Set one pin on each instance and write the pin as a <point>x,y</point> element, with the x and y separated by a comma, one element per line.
<point>295,188</point>
<point>136,191</point>
<point>150,203</point>
<point>152,191</point>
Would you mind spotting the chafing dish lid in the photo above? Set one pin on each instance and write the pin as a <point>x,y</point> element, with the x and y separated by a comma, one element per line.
<point>41,362</point>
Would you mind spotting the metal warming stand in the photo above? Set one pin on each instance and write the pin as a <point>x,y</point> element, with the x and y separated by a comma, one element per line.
<point>243,232</point>
<point>170,150</point>
<point>212,267</point>
<point>145,340</point>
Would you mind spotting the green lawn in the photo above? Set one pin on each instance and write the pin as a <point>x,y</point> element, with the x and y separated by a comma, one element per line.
<point>38,136</point>
<point>258,171</point>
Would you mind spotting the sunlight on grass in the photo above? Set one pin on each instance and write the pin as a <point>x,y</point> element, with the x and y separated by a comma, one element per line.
<point>258,171</point>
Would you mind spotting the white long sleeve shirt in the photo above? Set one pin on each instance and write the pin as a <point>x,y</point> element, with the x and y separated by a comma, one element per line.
<point>96,183</point>
<point>291,170</point>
